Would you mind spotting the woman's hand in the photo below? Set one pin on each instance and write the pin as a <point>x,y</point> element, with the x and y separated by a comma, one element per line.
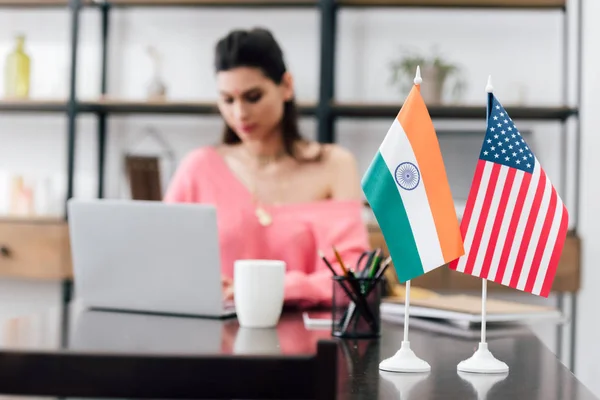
<point>227,287</point>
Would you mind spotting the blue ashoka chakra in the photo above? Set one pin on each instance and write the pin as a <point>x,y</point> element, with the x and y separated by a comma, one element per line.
<point>407,175</point>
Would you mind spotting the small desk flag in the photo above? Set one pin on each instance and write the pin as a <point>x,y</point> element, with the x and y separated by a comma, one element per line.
<point>515,223</point>
<point>409,193</point>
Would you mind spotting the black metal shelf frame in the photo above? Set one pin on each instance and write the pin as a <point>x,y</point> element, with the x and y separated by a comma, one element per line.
<point>424,4</point>
<point>338,110</point>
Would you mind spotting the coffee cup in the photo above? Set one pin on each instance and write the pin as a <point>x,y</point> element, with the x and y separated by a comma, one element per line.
<point>258,287</point>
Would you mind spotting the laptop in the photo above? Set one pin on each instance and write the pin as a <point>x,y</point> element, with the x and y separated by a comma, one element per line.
<point>147,256</point>
<point>93,330</point>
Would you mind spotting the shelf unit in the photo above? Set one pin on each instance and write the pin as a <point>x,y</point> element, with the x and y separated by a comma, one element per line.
<point>342,110</point>
<point>326,109</point>
<point>503,4</point>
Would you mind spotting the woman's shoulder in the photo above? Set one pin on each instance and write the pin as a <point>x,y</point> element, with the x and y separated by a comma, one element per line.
<point>329,154</point>
<point>340,157</point>
<point>200,157</point>
<point>339,168</point>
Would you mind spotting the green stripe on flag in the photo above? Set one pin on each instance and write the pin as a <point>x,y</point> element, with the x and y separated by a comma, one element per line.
<point>380,190</point>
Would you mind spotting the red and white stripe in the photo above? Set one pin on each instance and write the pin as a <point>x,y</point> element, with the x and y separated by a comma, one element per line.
<point>513,228</point>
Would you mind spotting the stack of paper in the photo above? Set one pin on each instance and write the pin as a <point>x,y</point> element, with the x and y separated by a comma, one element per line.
<point>461,315</point>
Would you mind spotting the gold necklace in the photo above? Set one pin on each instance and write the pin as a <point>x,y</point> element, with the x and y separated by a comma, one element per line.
<point>263,216</point>
<point>264,160</point>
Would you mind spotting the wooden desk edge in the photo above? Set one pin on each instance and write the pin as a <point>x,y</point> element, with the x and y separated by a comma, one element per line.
<point>567,280</point>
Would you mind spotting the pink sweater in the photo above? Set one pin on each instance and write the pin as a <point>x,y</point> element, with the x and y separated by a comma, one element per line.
<point>296,234</point>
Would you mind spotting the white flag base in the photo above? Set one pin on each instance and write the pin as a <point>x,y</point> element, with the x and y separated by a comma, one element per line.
<point>404,360</point>
<point>482,383</point>
<point>404,383</point>
<point>483,362</point>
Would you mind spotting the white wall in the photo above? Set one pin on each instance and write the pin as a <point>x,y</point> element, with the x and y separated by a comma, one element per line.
<point>522,51</point>
<point>588,329</point>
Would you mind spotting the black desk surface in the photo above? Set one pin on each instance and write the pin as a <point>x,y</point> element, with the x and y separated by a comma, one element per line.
<point>535,373</point>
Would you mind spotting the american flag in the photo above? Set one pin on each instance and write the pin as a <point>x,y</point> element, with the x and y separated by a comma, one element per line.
<point>515,223</point>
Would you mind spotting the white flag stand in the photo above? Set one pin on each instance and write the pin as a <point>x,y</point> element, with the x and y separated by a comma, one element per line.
<point>483,361</point>
<point>482,383</point>
<point>404,383</point>
<point>405,359</point>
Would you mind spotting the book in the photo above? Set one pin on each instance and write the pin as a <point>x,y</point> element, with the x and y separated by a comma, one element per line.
<point>449,328</point>
<point>316,320</point>
<point>465,310</point>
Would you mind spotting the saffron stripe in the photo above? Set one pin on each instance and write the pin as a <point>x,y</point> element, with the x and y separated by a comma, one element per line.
<point>417,124</point>
<point>396,150</point>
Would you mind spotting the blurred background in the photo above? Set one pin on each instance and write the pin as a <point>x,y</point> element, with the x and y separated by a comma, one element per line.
<point>104,99</point>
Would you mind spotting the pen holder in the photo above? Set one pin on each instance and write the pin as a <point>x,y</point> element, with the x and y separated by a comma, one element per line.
<point>355,310</point>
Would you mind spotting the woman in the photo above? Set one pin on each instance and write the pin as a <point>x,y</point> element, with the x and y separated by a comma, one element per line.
<point>278,196</point>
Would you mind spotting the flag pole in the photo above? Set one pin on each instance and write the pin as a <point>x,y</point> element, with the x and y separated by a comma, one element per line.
<point>418,80</point>
<point>489,88</point>
<point>406,308</point>
<point>483,311</point>
<point>483,361</point>
<point>405,360</point>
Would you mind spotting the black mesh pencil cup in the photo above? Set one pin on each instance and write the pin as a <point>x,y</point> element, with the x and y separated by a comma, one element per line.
<point>355,311</point>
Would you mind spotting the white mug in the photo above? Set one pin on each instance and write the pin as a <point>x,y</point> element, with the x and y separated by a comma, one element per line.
<point>258,292</point>
<point>256,341</point>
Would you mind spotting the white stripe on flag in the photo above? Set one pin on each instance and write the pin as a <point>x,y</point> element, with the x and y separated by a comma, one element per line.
<point>523,218</point>
<point>535,234</point>
<point>468,241</point>
<point>396,149</point>
<point>489,223</point>
<point>505,223</point>
<point>552,237</point>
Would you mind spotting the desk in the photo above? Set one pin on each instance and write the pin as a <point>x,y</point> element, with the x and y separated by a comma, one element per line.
<point>38,248</point>
<point>535,373</point>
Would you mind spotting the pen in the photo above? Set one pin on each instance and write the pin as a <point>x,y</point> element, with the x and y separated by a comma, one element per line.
<point>339,258</point>
<point>385,264</point>
<point>327,263</point>
<point>369,262</point>
<point>375,263</point>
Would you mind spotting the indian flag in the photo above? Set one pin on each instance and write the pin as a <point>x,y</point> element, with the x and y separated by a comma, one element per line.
<point>409,193</point>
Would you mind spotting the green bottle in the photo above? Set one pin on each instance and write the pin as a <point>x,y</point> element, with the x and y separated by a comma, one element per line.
<point>17,71</point>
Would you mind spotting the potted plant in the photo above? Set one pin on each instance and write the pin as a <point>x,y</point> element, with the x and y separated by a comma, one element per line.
<point>438,75</point>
